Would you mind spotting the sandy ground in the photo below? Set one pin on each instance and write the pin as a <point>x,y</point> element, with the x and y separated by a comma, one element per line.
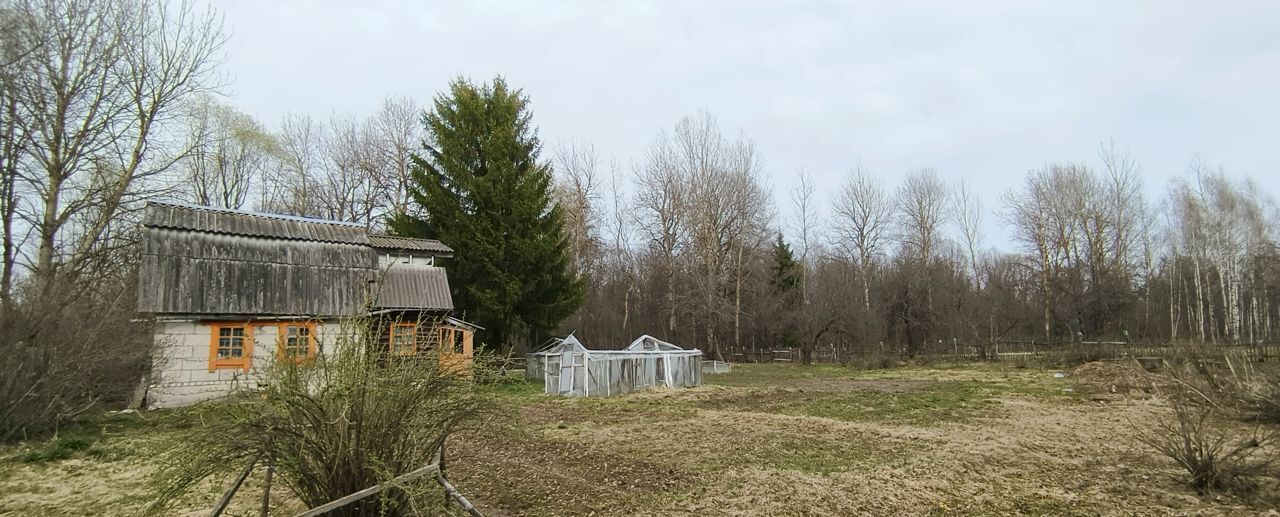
<point>773,440</point>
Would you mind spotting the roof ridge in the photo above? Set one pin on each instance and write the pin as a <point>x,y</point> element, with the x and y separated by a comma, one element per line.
<point>264,215</point>
<point>389,236</point>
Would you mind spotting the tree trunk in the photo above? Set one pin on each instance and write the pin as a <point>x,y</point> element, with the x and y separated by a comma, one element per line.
<point>671,299</point>
<point>737,304</point>
<point>1200,308</point>
<point>1173,304</point>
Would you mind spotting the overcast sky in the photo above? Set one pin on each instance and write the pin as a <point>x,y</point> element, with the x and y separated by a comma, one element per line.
<point>977,90</point>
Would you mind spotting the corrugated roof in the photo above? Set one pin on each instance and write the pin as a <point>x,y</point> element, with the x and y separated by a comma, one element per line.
<point>411,286</point>
<point>190,272</point>
<point>392,242</point>
<point>204,260</point>
<point>251,224</point>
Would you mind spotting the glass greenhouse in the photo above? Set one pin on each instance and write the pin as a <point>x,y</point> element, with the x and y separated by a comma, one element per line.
<point>567,367</point>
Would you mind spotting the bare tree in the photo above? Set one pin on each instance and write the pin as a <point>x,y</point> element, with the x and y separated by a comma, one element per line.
<point>230,154</point>
<point>1222,229</point>
<point>576,192</point>
<point>922,202</point>
<point>397,131</point>
<point>17,42</point>
<point>807,221</point>
<point>966,212</point>
<point>1028,212</point>
<point>725,201</point>
<point>620,225</point>
<point>90,106</point>
<point>293,186</point>
<point>349,187</point>
<point>864,215</point>
<point>661,197</point>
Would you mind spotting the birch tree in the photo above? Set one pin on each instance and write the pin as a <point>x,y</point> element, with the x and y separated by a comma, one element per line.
<point>966,213</point>
<point>576,191</point>
<point>922,202</point>
<point>293,187</point>
<point>802,201</point>
<point>1029,213</point>
<point>229,155</point>
<point>703,157</point>
<point>661,199</point>
<point>349,186</point>
<point>863,224</point>
<point>397,131</point>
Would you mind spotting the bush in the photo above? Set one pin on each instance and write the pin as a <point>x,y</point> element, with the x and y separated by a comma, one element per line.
<point>66,350</point>
<point>1252,389</point>
<point>1213,456</point>
<point>873,360</point>
<point>350,420</point>
<point>1234,381</point>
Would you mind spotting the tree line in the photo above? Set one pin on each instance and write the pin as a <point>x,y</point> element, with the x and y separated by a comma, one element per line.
<point>106,105</point>
<point>686,243</point>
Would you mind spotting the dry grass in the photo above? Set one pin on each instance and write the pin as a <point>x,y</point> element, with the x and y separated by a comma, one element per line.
<point>766,440</point>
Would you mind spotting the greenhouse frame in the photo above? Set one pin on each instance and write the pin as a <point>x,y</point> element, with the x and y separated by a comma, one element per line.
<point>567,367</point>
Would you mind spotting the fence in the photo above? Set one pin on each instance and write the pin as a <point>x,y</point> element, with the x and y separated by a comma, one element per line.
<point>1008,349</point>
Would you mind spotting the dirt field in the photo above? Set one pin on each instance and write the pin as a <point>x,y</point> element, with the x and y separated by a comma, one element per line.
<point>764,440</point>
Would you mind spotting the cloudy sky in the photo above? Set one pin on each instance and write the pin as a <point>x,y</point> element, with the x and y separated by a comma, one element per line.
<point>978,90</point>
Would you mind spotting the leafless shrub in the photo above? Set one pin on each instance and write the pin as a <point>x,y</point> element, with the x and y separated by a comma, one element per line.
<point>352,419</point>
<point>1231,380</point>
<point>1203,445</point>
<point>67,351</point>
<point>873,360</point>
<point>1249,388</point>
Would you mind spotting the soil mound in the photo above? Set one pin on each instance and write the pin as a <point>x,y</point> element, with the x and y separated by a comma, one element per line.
<point>1124,378</point>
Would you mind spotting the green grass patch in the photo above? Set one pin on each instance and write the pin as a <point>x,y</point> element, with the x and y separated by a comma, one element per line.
<point>514,387</point>
<point>820,455</point>
<point>936,403</point>
<point>755,375</point>
<point>939,403</point>
<point>65,445</point>
<point>101,436</point>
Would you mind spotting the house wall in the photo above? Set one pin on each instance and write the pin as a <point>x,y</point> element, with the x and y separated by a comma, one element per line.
<point>180,371</point>
<point>387,258</point>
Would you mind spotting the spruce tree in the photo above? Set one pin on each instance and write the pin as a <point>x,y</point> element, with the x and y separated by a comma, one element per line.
<point>786,271</point>
<point>786,291</point>
<point>480,188</point>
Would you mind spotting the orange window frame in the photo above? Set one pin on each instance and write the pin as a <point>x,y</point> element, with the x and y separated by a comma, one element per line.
<point>413,333</point>
<point>244,361</point>
<point>453,340</point>
<point>282,337</point>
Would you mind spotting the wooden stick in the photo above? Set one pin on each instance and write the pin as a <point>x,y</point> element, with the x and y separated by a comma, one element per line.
<point>441,462</point>
<point>338,503</point>
<point>453,493</point>
<point>266,490</point>
<point>226,498</point>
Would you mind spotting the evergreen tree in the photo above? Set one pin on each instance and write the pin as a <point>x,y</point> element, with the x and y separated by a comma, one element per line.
<point>480,188</point>
<point>786,290</point>
<point>786,270</point>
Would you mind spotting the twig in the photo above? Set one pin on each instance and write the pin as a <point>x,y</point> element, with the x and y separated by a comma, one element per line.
<point>1197,392</point>
<point>226,497</point>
